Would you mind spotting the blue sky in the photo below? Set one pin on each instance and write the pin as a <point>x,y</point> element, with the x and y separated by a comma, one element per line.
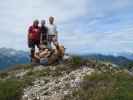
<point>85,26</point>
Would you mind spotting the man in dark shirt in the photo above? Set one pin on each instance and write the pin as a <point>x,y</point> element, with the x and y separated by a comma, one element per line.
<point>44,33</point>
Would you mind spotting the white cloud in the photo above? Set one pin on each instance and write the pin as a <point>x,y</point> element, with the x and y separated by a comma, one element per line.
<point>17,15</point>
<point>84,25</point>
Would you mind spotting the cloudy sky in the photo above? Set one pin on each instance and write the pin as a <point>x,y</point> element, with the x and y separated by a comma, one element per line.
<point>85,26</point>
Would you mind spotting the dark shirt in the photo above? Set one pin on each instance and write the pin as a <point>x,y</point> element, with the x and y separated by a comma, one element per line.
<point>44,32</point>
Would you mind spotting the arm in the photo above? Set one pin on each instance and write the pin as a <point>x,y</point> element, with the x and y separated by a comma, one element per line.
<point>29,36</point>
<point>29,33</point>
<point>41,41</point>
<point>36,55</point>
<point>56,33</point>
<point>47,34</point>
<point>60,50</point>
<point>57,36</point>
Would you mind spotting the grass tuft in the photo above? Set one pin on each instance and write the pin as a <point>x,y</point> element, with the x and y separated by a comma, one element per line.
<point>104,86</point>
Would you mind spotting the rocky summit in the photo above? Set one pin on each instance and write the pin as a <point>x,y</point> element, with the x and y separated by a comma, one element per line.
<point>56,87</point>
<point>55,82</point>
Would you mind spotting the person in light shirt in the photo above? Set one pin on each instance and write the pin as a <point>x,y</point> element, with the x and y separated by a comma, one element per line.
<point>52,32</point>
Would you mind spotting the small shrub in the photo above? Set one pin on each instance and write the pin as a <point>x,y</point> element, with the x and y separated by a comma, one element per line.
<point>76,60</point>
<point>30,73</point>
<point>41,73</point>
<point>3,74</point>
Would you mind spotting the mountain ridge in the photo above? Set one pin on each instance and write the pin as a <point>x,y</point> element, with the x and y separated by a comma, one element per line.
<point>75,79</point>
<point>10,57</point>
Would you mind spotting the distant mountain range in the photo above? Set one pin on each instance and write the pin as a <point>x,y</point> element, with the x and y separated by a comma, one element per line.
<point>10,57</point>
<point>118,60</point>
<point>126,54</point>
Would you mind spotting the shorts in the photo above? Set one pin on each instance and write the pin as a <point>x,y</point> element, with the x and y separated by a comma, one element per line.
<point>52,38</point>
<point>44,39</point>
<point>33,43</point>
<point>44,61</point>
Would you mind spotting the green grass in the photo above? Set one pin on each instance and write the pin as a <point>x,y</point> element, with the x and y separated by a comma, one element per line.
<point>37,73</point>
<point>76,60</point>
<point>11,89</point>
<point>105,86</point>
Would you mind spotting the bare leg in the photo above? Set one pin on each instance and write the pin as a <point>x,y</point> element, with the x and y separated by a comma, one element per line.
<point>32,51</point>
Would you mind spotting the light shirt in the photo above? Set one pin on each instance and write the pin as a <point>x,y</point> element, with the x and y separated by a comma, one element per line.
<point>52,29</point>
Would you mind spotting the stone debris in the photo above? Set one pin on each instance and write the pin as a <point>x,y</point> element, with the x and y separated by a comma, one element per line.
<point>56,87</point>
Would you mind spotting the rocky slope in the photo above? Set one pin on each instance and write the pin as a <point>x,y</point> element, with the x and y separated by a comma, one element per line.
<point>55,82</point>
<point>55,88</point>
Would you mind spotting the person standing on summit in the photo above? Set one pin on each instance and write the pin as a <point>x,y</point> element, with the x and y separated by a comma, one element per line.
<point>52,32</point>
<point>44,33</point>
<point>33,38</point>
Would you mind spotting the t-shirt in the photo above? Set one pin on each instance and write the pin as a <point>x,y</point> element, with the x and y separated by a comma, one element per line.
<point>44,32</point>
<point>35,33</point>
<point>52,29</point>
